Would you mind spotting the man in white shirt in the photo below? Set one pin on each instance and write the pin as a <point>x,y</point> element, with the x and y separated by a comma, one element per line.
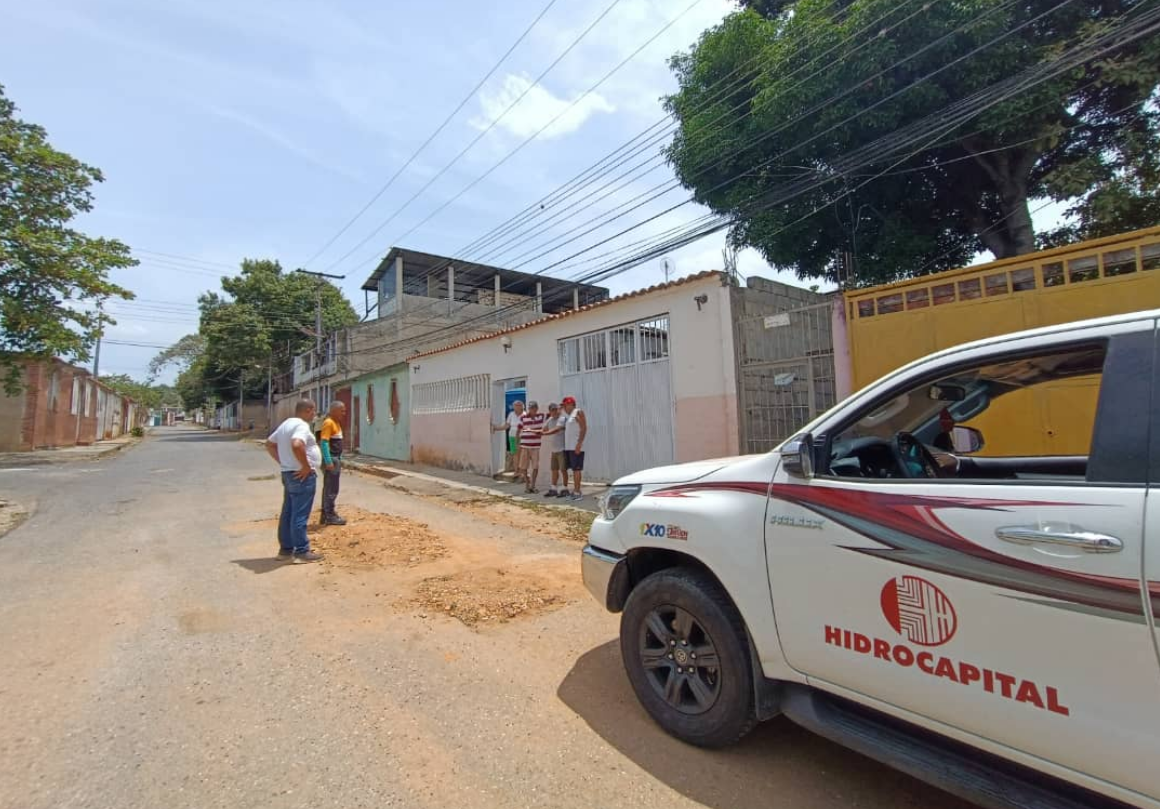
<point>512,426</point>
<point>294,447</point>
<point>554,440</point>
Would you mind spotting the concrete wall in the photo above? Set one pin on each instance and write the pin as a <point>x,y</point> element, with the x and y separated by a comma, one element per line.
<point>453,440</point>
<point>704,381</point>
<point>253,412</point>
<point>385,435</point>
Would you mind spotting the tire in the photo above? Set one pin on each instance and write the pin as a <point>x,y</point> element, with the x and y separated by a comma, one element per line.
<point>705,705</point>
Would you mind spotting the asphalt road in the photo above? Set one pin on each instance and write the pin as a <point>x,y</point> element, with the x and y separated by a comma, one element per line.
<point>153,656</point>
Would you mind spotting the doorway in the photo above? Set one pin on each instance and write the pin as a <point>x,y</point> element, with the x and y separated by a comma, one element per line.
<point>499,410</point>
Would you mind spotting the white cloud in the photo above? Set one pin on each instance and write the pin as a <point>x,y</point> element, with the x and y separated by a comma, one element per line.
<point>537,107</point>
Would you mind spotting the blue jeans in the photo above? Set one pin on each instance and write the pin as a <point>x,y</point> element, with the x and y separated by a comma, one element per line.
<point>297,500</point>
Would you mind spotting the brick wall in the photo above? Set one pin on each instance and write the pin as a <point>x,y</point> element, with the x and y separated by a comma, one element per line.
<point>57,408</point>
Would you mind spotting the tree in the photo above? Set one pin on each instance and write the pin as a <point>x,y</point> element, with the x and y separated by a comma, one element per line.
<point>192,386</point>
<point>152,396</point>
<point>1080,136</point>
<point>259,313</point>
<point>183,354</point>
<point>48,270</point>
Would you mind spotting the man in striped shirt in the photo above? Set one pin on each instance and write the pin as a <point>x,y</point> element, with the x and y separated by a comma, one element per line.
<point>531,435</point>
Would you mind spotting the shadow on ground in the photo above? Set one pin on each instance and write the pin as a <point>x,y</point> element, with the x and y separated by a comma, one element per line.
<point>778,764</point>
<point>198,435</point>
<point>265,565</point>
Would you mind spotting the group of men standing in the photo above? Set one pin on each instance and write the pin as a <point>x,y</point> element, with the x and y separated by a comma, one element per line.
<point>564,429</point>
<point>302,455</point>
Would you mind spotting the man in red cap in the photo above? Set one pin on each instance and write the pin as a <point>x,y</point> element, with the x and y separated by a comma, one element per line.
<point>575,431</point>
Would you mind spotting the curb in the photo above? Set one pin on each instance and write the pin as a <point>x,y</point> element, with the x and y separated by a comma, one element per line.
<point>389,472</point>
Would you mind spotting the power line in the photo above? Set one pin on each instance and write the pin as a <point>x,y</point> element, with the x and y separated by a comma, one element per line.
<point>963,110</point>
<point>548,125</point>
<point>741,149</point>
<point>186,259</point>
<point>478,137</point>
<point>464,251</point>
<point>805,49</point>
<point>717,93</point>
<point>431,137</point>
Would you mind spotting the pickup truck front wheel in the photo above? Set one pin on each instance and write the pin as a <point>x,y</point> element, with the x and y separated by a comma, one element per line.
<point>684,649</point>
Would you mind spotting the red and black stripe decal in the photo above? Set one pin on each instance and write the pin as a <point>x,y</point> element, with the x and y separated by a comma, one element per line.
<point>912,533</point>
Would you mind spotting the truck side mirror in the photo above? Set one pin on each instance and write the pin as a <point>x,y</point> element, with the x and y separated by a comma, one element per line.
<point>967,439</point>
<point>797,456</point>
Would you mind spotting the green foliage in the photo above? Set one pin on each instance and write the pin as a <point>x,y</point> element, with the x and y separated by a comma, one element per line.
<point>1083,136</point>
<point>137,432</point>
<point>48,270</point>
<point>192,385</point>
<point>183,353</point>
<point>152,396</point>
<point>259,313</point>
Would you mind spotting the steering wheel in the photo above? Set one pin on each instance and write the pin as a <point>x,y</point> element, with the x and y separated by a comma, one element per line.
<point>913,458</point>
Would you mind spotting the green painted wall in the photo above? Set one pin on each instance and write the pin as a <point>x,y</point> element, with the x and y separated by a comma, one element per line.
<point>381,435</point>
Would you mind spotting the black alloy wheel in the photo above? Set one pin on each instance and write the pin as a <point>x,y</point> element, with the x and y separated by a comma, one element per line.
<point>686,653</point>
<point>681,659</point>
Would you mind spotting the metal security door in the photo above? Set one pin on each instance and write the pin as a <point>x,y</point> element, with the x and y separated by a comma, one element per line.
<point>787,373</point>
<point>621,379</point>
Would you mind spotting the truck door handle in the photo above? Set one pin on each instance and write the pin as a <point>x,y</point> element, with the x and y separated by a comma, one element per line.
<point>1066,536</point>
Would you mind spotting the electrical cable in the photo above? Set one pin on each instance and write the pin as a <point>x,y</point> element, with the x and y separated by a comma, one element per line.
<point>438,130</point>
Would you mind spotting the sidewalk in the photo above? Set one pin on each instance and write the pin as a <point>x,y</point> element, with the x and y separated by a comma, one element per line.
<point>430,479</point>
<point>41,457</point>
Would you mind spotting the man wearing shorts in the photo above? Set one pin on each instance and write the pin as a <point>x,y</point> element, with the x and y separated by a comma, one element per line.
<point>575,431</point>
<point>531,437</point>
<point>554,438</point>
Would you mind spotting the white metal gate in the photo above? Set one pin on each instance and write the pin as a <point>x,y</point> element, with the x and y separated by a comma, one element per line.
<point>621,378</point>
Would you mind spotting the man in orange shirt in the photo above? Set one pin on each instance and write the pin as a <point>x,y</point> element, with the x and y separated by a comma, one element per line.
<point>330,440</point>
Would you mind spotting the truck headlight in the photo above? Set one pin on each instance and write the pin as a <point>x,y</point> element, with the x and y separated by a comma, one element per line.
<point>614,502</point>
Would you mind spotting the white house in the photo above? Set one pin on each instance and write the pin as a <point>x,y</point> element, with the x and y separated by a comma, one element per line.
<point>653,370</point>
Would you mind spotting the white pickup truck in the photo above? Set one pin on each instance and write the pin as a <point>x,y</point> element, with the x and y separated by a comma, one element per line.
<point>984,621</point>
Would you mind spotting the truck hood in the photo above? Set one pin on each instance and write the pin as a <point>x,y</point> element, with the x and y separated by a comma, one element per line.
<point>679,473</point>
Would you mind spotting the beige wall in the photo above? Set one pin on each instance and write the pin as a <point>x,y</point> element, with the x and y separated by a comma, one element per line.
<point>453,440</point>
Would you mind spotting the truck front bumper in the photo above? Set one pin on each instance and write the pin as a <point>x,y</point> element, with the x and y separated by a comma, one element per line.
<point>606,577</point>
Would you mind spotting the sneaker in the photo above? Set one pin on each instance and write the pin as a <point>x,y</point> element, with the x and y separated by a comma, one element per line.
<point>575,496</point>
<point>551,493</point>
<point>306,558</point>
<point>284,555</point>
<point>335,520</point>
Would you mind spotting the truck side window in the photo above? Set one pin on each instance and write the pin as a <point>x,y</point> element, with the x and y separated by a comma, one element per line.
<point>1020,417</point>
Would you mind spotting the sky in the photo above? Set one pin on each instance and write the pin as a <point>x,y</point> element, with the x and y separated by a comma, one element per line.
<point>259,129</point>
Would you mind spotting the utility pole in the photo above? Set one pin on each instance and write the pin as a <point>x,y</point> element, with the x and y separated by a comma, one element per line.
<point>318,330</point>
<point>270,394</point>
<point>100,330</point>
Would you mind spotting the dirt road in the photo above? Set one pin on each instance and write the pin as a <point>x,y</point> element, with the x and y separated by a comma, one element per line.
<point>445,655</point>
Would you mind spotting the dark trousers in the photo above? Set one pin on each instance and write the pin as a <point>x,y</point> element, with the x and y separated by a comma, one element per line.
<point>297,500</point>
<point>330,485</point>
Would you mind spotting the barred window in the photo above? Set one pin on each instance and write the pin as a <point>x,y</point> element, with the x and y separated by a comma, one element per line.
<point>595,352</point>
<point>613,348</point>
<point>570,356</point>
<point>654,339</point>
<point>451,395</point>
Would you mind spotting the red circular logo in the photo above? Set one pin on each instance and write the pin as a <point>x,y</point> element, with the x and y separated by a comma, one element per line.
<point>919,611</point>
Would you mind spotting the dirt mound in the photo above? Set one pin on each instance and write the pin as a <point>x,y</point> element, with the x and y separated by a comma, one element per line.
<point>559,523</point>
<point>373,540</point>
<point>487,595</point>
